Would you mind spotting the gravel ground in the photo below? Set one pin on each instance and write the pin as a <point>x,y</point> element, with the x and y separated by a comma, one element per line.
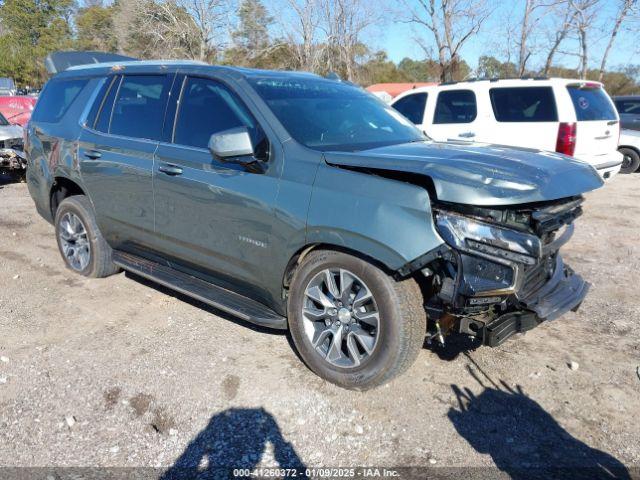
<point>121,373</point>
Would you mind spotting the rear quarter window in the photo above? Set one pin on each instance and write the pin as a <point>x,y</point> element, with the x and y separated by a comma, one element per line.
<point>524,104</point>
<point>591,103</point>
<point>412,106</point>
<point>56,99</point>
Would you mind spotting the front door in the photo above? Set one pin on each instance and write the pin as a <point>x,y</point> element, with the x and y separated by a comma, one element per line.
<point>217,217</point>
<point>116,155</point>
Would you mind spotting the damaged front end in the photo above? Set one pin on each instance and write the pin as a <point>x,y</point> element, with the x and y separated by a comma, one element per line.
<point>503,273</point>
<point>13,160</point>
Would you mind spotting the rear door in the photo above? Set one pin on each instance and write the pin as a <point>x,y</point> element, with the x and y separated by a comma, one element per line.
<point>526,117</point>
<point>455,116</point>
<point>116,155</point>
<point>598,127</point>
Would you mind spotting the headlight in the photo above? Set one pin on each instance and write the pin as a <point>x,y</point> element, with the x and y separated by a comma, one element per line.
<point>502,245</point>
<point>491,258</point>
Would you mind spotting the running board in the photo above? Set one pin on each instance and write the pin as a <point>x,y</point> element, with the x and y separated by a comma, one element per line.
<point>218,297</point>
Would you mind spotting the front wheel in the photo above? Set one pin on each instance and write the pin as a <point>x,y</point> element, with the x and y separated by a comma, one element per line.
<point>631,160</point>
<point>353,324</point>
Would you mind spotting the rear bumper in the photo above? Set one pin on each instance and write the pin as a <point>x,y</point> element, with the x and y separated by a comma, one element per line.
<point>607,165</point>
<point>565,291</point>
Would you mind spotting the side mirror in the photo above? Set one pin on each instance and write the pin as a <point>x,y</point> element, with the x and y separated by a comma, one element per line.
<point>235,142</point>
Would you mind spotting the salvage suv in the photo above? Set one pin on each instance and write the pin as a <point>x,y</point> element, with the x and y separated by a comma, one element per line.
<point>297,202</point>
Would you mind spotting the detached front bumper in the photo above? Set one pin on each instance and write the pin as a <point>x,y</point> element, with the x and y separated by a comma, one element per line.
<point>565,291</point>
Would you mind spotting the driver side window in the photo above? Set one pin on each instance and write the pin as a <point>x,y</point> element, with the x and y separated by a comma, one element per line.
<point>208,107</point>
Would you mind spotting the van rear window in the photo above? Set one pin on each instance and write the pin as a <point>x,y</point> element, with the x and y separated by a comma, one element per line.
<point>591,103</point>
<point>524,104</point>
<point>56,99</point>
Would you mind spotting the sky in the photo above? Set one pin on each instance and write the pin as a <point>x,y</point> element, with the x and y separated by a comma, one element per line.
<point>398,39</point>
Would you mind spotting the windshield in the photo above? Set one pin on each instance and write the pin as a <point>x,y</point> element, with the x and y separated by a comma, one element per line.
<point>3,121</point>
<point>329,115</point>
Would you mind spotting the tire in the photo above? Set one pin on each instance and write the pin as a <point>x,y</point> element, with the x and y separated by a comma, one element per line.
<point>388,349</point>
<point>631,161</point>
<point>87,254</point>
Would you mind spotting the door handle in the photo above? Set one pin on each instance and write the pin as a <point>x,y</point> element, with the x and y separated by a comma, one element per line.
<point>467,135</point>
<point>92,154</point>
<point>170,170</point>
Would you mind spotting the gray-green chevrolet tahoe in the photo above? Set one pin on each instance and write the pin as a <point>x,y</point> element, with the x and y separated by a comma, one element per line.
<point>297,202</point>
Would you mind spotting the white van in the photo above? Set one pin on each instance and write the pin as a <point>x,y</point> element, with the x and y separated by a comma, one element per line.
<point>574,117</point>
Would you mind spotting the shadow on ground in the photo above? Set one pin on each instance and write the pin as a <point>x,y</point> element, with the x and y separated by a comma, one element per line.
<point>523,439</point>
<point>455,345</point>
<point>233,439</point>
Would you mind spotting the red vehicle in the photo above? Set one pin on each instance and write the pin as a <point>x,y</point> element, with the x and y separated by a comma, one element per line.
<point>17,109</point>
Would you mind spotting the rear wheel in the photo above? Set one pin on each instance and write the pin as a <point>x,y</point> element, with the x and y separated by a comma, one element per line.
<point>352,324</point>
<point>631,161</point>
<point>80,242</point>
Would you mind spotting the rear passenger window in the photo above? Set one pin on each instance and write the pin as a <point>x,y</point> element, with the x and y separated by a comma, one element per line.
<point>208,107</point>
<point>524,104</point>
<point>57,98</point>
<point>455,106</point>
<point>139,108</point>
<point>591,103</point>
<point>412,107</point>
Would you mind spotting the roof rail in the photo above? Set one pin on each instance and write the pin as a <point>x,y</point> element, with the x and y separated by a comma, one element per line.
<point>491,79</point>
<point>57,62</point>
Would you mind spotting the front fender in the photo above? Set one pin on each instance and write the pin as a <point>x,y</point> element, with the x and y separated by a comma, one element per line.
<point>387,220</point>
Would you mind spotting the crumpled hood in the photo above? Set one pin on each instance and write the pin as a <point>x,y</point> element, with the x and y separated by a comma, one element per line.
<point>10,131</point>
<point>479,174</point>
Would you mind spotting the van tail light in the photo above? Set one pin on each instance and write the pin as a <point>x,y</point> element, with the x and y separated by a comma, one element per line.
<point>566,142</point>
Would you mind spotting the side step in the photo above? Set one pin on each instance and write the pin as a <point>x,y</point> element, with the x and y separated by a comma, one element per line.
<point>218,297</point>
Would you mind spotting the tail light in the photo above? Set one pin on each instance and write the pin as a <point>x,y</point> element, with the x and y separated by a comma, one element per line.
<point>566,142</point>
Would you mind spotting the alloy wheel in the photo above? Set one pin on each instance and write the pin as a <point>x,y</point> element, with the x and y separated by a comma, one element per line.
<point>74,241</point>
<point>341,318</point>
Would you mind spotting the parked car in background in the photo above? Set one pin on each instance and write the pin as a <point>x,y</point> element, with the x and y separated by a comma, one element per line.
<point>12,158</point>
<point>629,110</point>
<point>17,109</point>
<point>573,117</point>
<point>298,202</point>
<point>388,91</point>
<point>7,86</point>
<point>629,146</point>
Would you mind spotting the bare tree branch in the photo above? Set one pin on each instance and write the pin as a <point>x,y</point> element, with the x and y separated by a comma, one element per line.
<point>625,8</point>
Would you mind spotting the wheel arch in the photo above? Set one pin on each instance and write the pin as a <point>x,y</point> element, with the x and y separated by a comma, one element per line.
<point>630,147</point>
<point>300,255</point>
<point>61,188</point>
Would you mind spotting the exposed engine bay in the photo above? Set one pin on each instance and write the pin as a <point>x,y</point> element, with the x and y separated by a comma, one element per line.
<point>503,273</point>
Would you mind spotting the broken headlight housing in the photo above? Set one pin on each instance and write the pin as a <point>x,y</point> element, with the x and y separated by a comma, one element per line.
<point>491,258</point>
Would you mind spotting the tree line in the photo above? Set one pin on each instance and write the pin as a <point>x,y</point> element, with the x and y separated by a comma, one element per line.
<point>324,36</point>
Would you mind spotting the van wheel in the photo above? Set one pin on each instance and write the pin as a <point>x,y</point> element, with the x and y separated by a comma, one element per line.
<point>352,324</point>
<point>631,161</point>
<point>80,242</point>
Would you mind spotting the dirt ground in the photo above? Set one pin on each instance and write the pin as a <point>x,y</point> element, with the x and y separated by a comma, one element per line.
<point>121,373</point>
